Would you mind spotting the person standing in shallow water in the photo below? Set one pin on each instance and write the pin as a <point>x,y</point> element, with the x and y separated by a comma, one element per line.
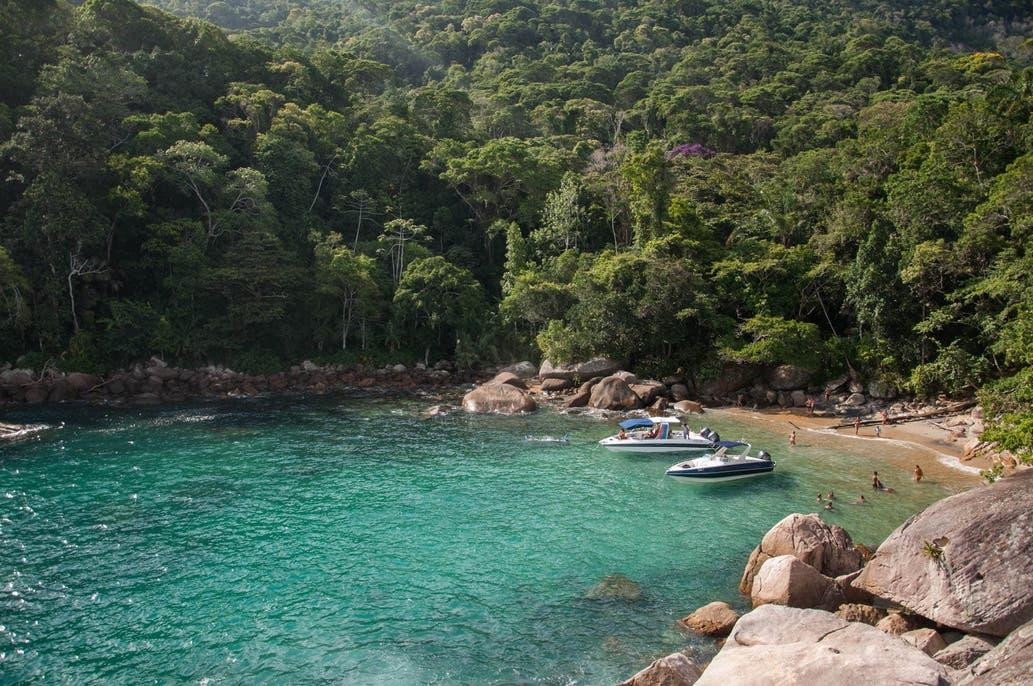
<point>918,474</point>
<point>792,438</point>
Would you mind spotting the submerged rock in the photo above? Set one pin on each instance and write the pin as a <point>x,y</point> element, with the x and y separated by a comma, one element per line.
<point>674,670</point>
<point>498,398</point>
<point>964,561</point>
<point>437,411</point>
<point>825,547</point>
<point>783,645</point>
<point>615,587</point>
<point>713,619</point>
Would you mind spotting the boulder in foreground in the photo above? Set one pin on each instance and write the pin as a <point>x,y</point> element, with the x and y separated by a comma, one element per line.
<point>825,547</point>
<point>784,645</point>
<point>713,619</point>
<point>963,561</point>
<point>784,580</point>
<point>673,670</point>
<point>498,398</point>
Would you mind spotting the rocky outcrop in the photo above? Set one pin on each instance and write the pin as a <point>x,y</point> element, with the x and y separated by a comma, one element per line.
<point>783,645</point>
<point>964,561</point>
<point>713,619</point>
<point>612,393</point>
<point>1009,664</point>
<point>785,580</point>
<point>787,377</point>
<point>965,652</point>
<point>929,641</point>
<point>615,587</point>
<point>825,547</point>
<point>598,366</point>
<point>674,670</point>
<point>499,399</point>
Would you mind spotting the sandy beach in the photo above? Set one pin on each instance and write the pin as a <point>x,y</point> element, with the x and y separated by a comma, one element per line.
<point>912,443</point>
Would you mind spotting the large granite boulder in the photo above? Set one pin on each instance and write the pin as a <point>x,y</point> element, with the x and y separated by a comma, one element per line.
<point>673,670</point>
<point>648,391</point>
<point>82,382</point>
<point>597,366</point>
<point>613,394</point>
<point>524,370</point>
<point>784,645</point>
<point>1009,664</point>
<point>825,547</point>
<point>858,612</point>
<point>784,580</point>
<point>787,377</point>
<point>498,398</point>
<point>731,379</point>
<point>963,561</point>
<point>713,619</point>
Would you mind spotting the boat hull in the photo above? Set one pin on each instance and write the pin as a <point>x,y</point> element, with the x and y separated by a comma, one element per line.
<point>660,445</point>
<point>717,474</point>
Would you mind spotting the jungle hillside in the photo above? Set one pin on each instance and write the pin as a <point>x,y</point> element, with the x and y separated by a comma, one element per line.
<point>842,185</point>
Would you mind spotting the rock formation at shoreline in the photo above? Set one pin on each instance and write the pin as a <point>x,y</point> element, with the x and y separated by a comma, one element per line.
<point>498,398</point>
<point>965,561</point>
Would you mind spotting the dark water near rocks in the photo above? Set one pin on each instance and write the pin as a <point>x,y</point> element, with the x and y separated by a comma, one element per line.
<point>343,540</point>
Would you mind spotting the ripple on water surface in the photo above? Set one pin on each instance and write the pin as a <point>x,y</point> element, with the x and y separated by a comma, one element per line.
<point>343,539</point>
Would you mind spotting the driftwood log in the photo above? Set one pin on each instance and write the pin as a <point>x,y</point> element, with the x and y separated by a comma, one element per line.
<point>915,416</point>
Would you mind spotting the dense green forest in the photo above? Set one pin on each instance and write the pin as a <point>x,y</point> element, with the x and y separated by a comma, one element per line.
<point>671,182</point>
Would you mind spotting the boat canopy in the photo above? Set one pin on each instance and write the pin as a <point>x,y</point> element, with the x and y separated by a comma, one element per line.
<point>629,424</point>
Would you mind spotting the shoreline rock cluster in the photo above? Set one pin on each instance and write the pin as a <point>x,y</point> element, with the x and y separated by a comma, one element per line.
<point>944,601</point>
<point>154,382</point>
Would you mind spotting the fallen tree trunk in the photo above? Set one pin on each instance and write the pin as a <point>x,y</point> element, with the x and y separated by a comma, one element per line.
<point>915,416</point>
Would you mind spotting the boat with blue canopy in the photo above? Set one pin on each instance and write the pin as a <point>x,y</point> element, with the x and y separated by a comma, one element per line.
<point>663,435</point>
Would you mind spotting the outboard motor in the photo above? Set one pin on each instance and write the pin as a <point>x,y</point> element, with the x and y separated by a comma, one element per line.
<point>707,433</point>
<point>715,437</point>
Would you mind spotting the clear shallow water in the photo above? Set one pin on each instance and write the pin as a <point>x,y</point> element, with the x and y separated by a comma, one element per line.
<point>343,540</point>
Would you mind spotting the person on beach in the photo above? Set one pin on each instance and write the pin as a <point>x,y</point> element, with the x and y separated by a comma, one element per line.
<point>918,474</point>
<point>878,431</point>
<point>792,438</point>
<point>876,483</point>
<point>857,426</point>
<point>828,394</point>
<point>885,417</point>
<point>810,407</point>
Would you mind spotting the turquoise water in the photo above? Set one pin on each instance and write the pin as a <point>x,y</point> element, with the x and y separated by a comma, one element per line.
<point>343,540</point>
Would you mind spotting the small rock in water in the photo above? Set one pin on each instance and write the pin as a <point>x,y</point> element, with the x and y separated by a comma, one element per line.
<point>615,587</point>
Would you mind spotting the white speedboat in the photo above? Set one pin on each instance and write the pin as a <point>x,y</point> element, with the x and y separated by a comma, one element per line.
<point>720,466</point>
<point>662,435</point>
